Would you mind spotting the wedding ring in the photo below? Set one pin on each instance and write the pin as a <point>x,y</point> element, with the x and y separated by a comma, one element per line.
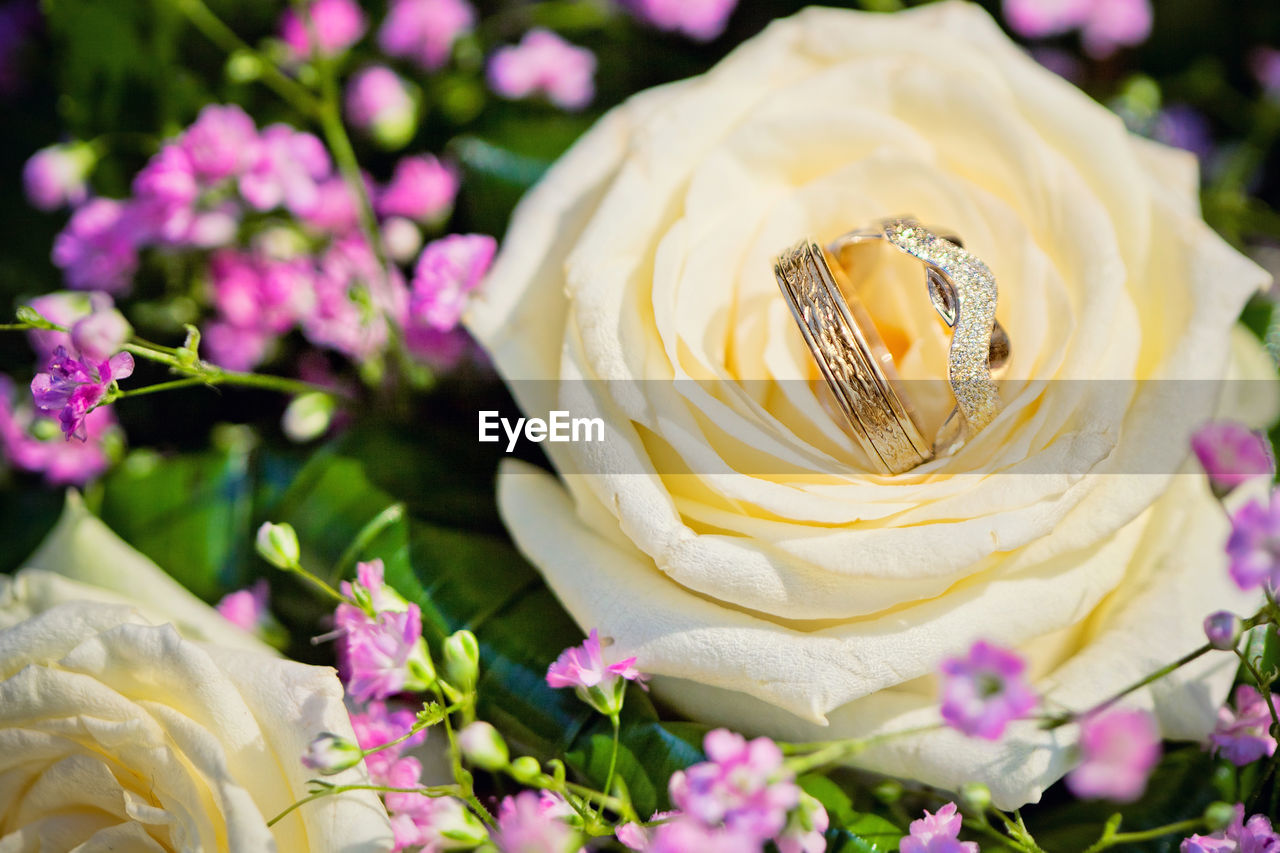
<point>853,358</point>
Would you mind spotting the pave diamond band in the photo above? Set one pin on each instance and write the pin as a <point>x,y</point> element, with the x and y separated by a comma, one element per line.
<point>857,365</point>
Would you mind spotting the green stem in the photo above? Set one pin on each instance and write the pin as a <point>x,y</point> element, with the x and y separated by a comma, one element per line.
<point>1108,841</point>
<point>613,753</point>
<point>1018,832</point>
<point>213,28</point>
<point>460,774</point>
<point>174,385</point>
<point>367,534</point>
<point>428,791</point>
<point>1072,716</point>
<point>832,752</point>
<point>321,584</point>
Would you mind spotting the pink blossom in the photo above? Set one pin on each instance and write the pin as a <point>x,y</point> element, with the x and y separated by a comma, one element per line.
<point>937,833</point>
<point>422,189</point>
<point>683,834</point>
<point>334,210</point>
<point>524,826</point>
<point>61,462</point>
<point>1105,25</point>
<point>70,388</point>
<point>599,684</point>
<point>381,654</point>
<point>380,102</point>
<point>424,30</point>
<point>1114,24</point>
<point>1254,544</point>
<point>288,168</point>
<point>983,692</point>
<point>743,787</point>
<point>544,64</point>
<point>1231,454</point>
<point>805,829</point>
<point>1119,748</point>
<point>57,176</point>
<point>171,204</point>
<point>1040,18</point>
<point>256,292</point>
<point>100,335</point>
<point>247,608</point>
<point>355,300</point>
<point>236,347</point>
<point>441,351</point>
<point>221,143</point>
<point>98,248</point>
<point>702,20</point>
<point>1244,735</point>
<point>377,725</point>
<point>338,25</point>
<point>63,308</point>
<point>447,271</point>
<point>1240,836</point>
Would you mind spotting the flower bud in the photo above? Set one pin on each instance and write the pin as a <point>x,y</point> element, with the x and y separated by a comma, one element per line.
<point>458,827</point>
<point>525,770</point>
<point>57,176</point>
<point>308,416</point>
<point>1223,629</point>
<point>329,754</point>
<point>462,660</point>
<point>1218,815</point>
<point>402,239</point>
<point>100,335</point>
<point>381,103</point>
<point>888,792</point>
<point>482,746</point>
<point>278,545</point>
<point>975,798</point>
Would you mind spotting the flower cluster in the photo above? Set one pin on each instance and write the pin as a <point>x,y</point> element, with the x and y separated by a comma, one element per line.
<point>938,832</point>
<point>1105,25</point>
<point>1240,836</point>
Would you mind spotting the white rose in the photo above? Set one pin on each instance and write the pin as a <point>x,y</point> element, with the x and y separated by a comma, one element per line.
<point>133,717</point>
<point>818,604</point>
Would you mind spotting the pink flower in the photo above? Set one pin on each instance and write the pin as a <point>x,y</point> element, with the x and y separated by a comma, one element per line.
<point>338,25</point>
<point>1253,836</point>
<point>598,684</point>
<point>98,248</point>
<point>686,835</point>
<point>334,209</point>
<point>805,829</point>
<point>1254,544</point>
<point>424,30</point>
<point>63,308</point>
<point>221,143</point>
<point>543,63</point>
<point>70,388</point>
<point>1231,454</point>
<point>381,654</point>
<point>354,300</point>
<point>744,787</point>
<point>1243,736</point>
<point>61,462</point>
<point>1114,24</point>
<point>525,827</point>
<point>100,335</point>
<point>260,293</point>
<point>448,270</point>
<point>937,833</point>
<point>57,176</point>
<point>380,102</point>
<point>288,168</point>
<point>236,347</point>
<point>376,726</point>
<point>172,206</point>
<point>421,188</point>
<point>983,692</point>
<point>702,20</point>
<point>1040,18</point>
<point>247,608</point>
<point>1105,25</point>
<point>1119,750</point>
